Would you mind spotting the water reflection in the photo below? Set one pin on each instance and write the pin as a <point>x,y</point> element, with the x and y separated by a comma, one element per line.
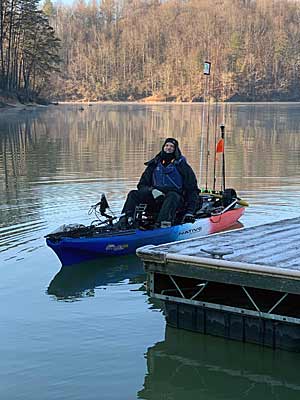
<point>187,365</point>
<point>113,141</point>
<point>55,162</point>
<point>74,282</point>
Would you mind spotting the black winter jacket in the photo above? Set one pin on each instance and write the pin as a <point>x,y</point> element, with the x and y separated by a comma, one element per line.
<point>190,188</point>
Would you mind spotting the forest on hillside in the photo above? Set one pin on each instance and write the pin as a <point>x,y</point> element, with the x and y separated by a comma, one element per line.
<point>136,49</point>
<point>29,50</point>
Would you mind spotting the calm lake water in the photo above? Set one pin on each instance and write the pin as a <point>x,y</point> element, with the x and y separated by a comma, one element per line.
<point>90,331</point>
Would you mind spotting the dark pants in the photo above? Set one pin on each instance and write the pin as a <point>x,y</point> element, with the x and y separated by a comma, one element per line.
<point>167,205</point>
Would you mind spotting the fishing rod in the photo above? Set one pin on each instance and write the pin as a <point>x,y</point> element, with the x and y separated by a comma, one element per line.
<point>206,72</point>
<point>207,143</point>
<point>215,145</point>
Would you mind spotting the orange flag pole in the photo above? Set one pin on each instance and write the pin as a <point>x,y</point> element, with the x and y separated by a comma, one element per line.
<point>221,146</point>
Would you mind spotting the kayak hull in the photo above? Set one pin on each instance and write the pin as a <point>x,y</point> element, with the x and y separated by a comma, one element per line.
<point>75,250</point>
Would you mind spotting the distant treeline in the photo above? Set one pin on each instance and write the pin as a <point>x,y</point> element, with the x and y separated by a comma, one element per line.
<point>132,49</point>
<point>29,50</point>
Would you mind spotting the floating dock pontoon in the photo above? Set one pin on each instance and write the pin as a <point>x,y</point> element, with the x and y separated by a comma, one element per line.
<point>243,284</point>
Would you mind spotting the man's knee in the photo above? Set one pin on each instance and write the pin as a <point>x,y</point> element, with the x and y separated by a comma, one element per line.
<point>174,197</point>
<point>132,193</point>
<point>139,196</point>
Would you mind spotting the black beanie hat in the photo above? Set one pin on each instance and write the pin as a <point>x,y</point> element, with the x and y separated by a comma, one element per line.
<point>171,140</point>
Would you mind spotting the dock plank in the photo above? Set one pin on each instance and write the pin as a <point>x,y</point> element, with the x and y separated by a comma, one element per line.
<point>274,245</point>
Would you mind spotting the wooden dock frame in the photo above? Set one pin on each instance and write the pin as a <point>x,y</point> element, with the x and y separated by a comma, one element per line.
<point>253,295</point>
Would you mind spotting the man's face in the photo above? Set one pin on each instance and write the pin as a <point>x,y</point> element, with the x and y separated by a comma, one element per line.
<point>169,148</point>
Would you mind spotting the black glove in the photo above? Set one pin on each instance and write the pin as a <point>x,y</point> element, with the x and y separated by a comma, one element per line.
<point>188,218</point>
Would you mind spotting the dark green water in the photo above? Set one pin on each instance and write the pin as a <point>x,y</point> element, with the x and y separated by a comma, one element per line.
<point>90,331</point>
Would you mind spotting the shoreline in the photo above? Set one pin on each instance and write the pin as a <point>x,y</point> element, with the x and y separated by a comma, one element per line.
<point>90,103</point>
<point>15,108</point>
<point>12,110</point>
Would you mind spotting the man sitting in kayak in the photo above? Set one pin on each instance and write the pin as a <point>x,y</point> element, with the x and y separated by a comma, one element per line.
<point>168,183</point>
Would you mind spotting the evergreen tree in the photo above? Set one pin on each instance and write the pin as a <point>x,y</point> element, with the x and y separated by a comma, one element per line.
<point>29,50</point>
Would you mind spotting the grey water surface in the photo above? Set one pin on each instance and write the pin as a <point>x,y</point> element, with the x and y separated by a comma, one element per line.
<point>90,331</point>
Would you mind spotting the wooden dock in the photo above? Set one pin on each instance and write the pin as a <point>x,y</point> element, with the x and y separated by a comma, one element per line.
<point>242,284</point>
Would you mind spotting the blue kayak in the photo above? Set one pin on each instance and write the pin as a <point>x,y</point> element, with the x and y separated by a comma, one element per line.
<point>88,243</point>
